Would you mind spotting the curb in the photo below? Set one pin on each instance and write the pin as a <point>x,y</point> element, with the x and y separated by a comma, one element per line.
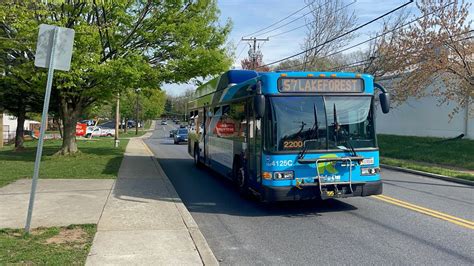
<point>436,176</point>
<point>205,252</point>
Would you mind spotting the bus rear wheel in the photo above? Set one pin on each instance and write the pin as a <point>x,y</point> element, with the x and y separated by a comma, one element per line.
<point>197,163</point>
<point>240,178</point>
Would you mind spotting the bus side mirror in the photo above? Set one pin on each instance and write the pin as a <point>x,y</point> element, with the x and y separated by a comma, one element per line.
<point>385,102</point>
<point>259,105</point>
<point>384,98</point>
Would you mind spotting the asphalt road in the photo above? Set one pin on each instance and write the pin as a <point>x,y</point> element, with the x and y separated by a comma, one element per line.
<point>370,230</point>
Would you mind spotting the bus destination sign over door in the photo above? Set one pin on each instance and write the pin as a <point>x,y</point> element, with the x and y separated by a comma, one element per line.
<point>320,85</point>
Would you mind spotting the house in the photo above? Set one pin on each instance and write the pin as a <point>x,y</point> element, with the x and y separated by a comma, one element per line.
<point>10,124</point>
<point>425,117</point>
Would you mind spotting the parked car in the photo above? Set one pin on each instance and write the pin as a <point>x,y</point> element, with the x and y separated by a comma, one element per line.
<point>181,136</point>
<point>99,132</point>
<point>108,124</point>
<point>164,122</point>
<point>173,132</point>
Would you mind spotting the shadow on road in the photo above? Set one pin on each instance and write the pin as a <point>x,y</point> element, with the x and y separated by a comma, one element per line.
<point>207,192</point>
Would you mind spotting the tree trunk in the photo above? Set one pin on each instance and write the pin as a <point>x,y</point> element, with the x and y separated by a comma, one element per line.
<point>1,128</point>
<point>69,145</point>
<point>125,127</point>
<point>20,130</point>
<point>58,122</point>
<point>69,114</point>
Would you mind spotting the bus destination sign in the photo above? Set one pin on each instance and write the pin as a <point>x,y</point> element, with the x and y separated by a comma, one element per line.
<point>320,85</point>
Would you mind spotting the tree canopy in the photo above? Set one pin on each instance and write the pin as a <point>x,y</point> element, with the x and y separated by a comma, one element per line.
<point>123,44</point>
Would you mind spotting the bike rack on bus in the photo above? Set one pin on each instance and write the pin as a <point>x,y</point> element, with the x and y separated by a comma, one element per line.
<point>326,160</point>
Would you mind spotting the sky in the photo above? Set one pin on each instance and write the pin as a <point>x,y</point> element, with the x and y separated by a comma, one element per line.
<point>249,16</point>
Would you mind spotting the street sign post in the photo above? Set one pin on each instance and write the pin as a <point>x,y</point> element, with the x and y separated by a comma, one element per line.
<point>53,51</point>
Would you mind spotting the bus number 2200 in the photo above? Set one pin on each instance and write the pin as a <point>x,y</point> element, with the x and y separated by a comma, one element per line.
<point>292,144</point>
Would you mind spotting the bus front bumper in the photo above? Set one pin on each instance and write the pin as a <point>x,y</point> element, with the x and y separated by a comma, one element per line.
<point>311,191</point>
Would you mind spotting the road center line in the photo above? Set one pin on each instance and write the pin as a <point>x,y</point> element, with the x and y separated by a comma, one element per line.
<point>429,212</point>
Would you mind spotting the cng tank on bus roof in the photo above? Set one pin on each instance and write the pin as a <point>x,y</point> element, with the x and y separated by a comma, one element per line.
<point>238,76</point>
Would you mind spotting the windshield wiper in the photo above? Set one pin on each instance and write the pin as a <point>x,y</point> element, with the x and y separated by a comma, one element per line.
<point>314,132</point>
<point>352,148</point>
<point>336,130</point>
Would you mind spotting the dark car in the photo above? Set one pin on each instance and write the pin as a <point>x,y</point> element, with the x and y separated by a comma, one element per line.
<point>181,136</point>
<point>173,132</point>
<point>108,124</point>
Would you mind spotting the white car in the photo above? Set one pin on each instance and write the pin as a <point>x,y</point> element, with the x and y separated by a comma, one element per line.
<point>99,132</point>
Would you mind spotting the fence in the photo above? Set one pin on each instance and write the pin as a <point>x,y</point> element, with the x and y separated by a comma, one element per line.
<point>8,136</point>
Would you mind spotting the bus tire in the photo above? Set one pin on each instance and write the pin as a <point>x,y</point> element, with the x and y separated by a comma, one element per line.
<point>240,178</point>
<point>197,163</point>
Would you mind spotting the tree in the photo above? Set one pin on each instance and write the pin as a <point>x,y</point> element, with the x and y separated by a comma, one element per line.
<point>258,65</point>
<point>20,90</point>
<point>127,44</point>
<point>178,104</point>
<point>436,52</point>
<point>328,20</point>
<point>290,64</point>
<point>151,103</point>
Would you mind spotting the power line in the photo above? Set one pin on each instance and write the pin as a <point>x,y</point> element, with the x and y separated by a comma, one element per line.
<point>299,27</point>
<point>241,51</point>
<point>279,20</point>
<point>342,35</point>
<point>298,18</point>
<point>385,33</point>
<point>362,62</point>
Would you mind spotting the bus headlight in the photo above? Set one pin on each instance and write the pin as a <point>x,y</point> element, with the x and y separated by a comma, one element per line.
<point>369,171</point>
<point>283,175</point>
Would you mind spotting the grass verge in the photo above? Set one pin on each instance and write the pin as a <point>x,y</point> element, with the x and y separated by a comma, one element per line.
<point>426,168</point>
<point>47,246</point>
<point>131,133</point>
<point>455,153</point>
<point>453,158</point>
<point>97,159</point>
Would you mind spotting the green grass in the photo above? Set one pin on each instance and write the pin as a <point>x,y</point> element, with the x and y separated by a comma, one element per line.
<point>47,246</point>
<point>434,155</point>
<point>131,133</point>
<point>147,124</point>
<point>97,159</point>
<point>455,153</point>
<point>426,168</point>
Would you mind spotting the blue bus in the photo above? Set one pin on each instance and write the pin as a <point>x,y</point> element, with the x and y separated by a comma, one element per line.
<point>290,135</point>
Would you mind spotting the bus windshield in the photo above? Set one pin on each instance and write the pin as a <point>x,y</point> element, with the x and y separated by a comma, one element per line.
<point>320,123</point>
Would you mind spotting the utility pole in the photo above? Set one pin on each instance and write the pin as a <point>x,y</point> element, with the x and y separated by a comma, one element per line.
<point>117,121</point>
<point>253,54</point>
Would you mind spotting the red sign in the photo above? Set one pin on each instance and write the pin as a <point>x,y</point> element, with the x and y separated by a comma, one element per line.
<point>224,129</point>
<point>81,129</point>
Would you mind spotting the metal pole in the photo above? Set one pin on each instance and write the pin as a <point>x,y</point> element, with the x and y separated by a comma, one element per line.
<point>44,118</point>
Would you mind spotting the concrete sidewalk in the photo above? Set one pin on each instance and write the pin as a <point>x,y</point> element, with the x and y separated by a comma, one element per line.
<point>144,220</point>
<point>59,202</point>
